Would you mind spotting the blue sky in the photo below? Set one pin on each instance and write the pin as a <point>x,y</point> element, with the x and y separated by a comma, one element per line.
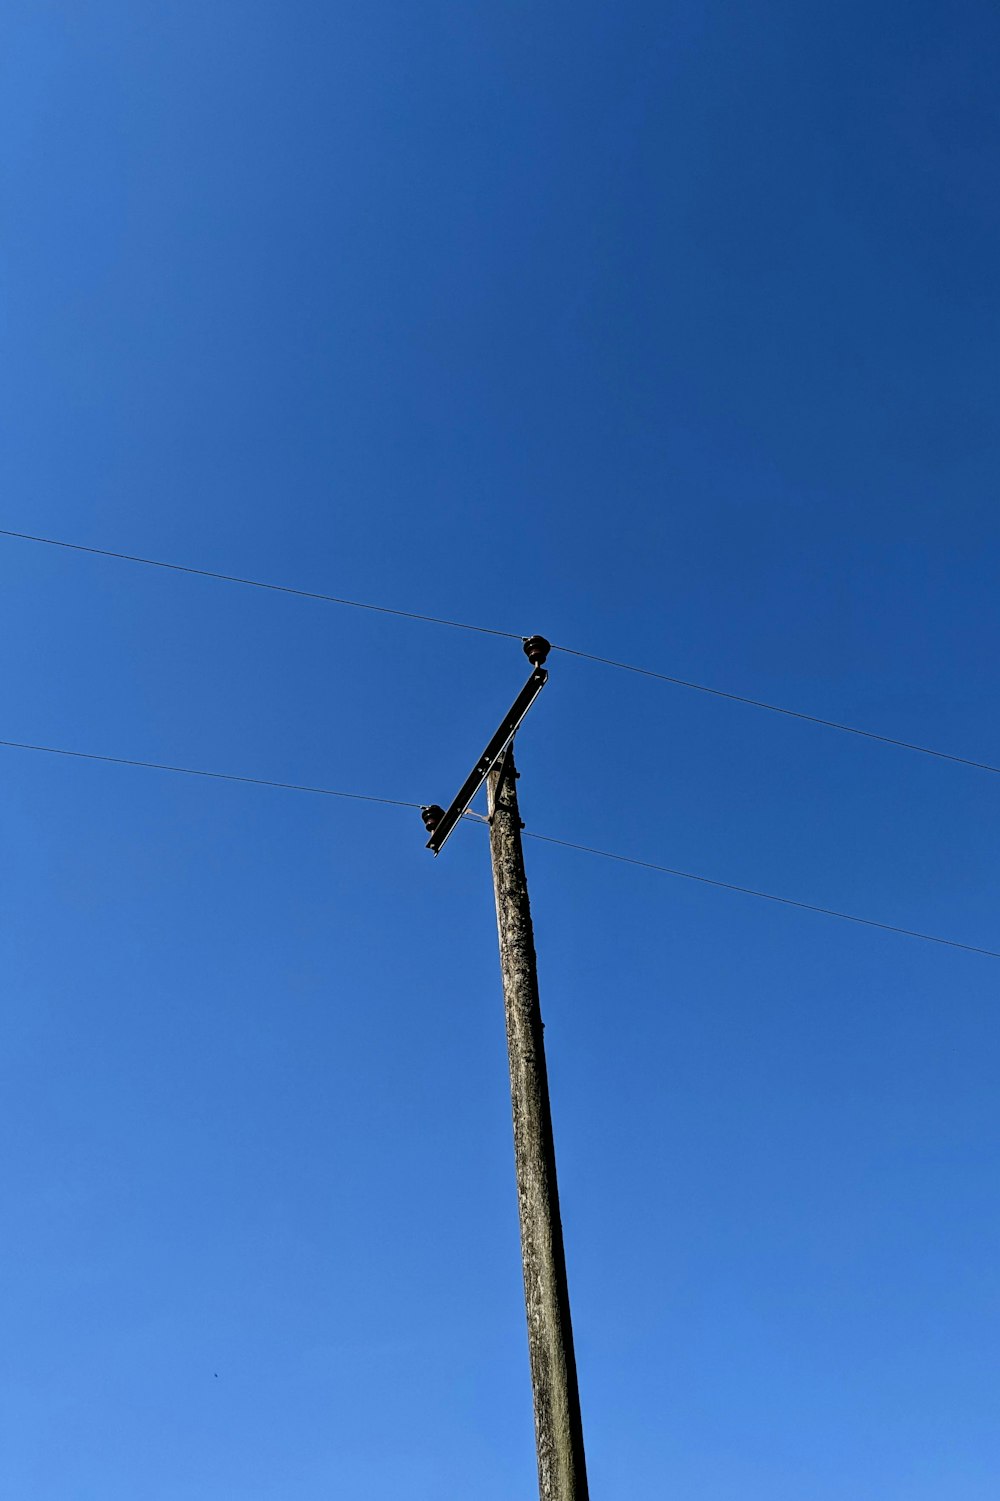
<point>669,331</point>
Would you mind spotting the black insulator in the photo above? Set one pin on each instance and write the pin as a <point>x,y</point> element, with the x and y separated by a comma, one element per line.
<point>536,649</point>
<point>431,816</point>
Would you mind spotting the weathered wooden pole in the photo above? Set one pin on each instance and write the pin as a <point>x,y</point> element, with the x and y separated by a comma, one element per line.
<point>562,1470</point>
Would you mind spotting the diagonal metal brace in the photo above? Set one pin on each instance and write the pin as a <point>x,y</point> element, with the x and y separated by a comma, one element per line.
<point>502,774</point>
<point>489,758</point>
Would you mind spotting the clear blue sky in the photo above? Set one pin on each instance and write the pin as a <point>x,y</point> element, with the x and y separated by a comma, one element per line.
<point>667,330</point>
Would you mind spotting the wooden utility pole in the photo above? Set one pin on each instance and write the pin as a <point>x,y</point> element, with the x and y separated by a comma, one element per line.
<point>562,1470</point>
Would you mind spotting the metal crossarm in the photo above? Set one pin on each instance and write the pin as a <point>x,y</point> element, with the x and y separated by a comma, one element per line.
<point>490,756</point>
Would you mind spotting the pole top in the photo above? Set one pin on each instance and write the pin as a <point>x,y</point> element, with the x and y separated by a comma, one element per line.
<point>536,649</point>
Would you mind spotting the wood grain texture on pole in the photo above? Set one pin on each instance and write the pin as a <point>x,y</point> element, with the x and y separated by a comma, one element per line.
<point>562,1471</point>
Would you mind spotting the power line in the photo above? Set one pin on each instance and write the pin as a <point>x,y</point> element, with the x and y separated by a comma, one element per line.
<point>767,896</point>
<point>232,578</point>
<point>395,802</point>
<point>484,630</point>
<point>758,703</point>
<point>218,776</point>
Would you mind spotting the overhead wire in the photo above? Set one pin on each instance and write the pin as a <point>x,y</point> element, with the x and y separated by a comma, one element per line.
<point>759,703</point>
<point>686,875</point>
<point>233,578</point>
<point>767,896</point>
<point>572,651</point>
<point>218,776</point>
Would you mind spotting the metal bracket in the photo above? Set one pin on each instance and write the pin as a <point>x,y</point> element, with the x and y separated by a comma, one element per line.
<point>502,775</point>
